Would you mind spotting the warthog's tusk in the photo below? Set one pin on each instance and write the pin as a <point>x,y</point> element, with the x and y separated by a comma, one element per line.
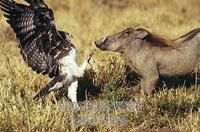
<point>104,39</point>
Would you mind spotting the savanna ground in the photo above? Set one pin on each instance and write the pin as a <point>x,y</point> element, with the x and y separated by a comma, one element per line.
<point>174,107</point>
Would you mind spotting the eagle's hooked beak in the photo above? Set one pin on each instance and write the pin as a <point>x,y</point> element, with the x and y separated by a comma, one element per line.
<point>70,36</point>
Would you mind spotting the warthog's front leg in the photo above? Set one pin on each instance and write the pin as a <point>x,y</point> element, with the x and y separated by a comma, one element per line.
<point>148,82</point>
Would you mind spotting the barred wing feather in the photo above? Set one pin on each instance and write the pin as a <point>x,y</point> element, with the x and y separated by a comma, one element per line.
<point>35,29</point>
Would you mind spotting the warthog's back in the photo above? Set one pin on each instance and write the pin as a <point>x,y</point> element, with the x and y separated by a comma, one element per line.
<point>179,61</point>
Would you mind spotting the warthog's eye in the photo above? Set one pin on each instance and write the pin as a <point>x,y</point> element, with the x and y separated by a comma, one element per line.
<point>126,33</point>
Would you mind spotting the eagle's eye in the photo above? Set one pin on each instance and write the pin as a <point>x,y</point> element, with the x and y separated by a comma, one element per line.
<point>65,46</point>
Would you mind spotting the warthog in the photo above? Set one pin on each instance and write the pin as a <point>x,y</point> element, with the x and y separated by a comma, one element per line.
<point>151,55</point>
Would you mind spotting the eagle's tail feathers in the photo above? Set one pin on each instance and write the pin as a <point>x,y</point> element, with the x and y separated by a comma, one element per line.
<point>44,92</point>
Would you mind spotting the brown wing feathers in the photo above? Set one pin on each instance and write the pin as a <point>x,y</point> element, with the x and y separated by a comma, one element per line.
<point>33,29</point>
<point>41,44</point>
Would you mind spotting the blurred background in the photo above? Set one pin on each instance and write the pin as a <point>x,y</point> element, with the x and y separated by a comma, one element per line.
<point>90,20</point>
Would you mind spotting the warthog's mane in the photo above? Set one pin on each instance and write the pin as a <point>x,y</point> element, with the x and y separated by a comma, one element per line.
<point>158,40</point>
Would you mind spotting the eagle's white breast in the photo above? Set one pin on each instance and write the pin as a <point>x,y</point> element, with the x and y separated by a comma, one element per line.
<point>68,64</point>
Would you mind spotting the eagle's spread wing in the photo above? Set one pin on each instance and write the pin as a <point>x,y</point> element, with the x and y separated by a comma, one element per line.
<point>41,44</point>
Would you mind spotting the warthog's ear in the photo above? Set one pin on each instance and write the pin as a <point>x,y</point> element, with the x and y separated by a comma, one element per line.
<point>141,33</point>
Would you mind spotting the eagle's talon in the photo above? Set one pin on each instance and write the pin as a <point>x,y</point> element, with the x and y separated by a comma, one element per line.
<point>89,57</point>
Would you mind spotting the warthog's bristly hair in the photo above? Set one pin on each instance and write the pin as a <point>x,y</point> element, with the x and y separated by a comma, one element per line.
<point>189,35</point>
<point>157,40</point>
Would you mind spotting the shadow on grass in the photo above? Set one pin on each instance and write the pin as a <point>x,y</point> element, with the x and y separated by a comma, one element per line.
<point>87,86</point>
<point>188,80</point>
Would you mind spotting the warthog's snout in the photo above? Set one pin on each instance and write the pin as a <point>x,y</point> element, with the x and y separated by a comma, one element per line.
<point>99,43</point>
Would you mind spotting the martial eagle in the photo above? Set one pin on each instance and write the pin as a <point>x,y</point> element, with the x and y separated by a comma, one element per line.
<point>45,49</point>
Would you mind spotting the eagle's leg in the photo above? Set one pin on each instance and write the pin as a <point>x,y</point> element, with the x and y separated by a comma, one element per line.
<point>72,93</point>
<point>79,71</point>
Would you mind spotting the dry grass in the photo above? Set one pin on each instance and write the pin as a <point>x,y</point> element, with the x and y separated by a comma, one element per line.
<point>88,20</point>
